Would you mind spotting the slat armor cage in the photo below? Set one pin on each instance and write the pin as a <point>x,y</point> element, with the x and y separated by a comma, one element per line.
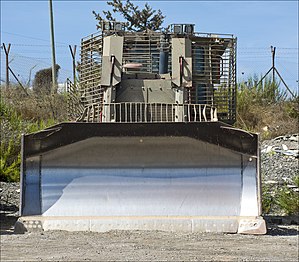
<point>213,71</point>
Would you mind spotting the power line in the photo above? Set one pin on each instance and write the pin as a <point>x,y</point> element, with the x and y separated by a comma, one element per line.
<point>34,45</point>
<point>30,37</point>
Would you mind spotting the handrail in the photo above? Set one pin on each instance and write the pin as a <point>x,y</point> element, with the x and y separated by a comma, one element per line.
<point>129,112</point>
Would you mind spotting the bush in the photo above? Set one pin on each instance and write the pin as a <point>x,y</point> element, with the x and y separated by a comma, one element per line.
<point>35,107</point>
<point>10,162</point>
<point>288,200</point>
<point>268,199</point>
<point>22,114</point>
<point>284,200</point>
<point>42,83</point>
<point>265,109</point>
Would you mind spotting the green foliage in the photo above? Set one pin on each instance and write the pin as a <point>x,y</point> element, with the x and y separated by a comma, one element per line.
<point>292,108</point>
<point>296,180</point>
<point>36,107</point>
<point>268,199</point>
<point>285,198</point>
<point>11,126</point>
<point>288,200</point>
<point>264,108</point>
<point>16,118</point>
<point>263,93</point>
<point>136,19</point>
<point>9,114</point>
<point>39,125</point>
<point>10,162</point>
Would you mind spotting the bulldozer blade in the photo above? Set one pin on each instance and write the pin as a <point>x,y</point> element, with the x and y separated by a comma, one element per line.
<point>141,176</point>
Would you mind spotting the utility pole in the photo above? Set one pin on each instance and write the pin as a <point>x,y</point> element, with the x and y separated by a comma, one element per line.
<point>6,50</point>
<point>73,54</point>
<point>54,78</point>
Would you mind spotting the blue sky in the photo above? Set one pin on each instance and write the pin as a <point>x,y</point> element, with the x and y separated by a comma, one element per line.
<point>256,24</point>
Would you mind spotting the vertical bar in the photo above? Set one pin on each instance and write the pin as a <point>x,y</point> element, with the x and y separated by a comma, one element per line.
<point>273,49</point>
<point>172,112</point>
<point>204,113</point>
<point>7,64</point>
<point>131,115</point>
<point>199,113</point>
<point>145,112</point>
<point>93,113</point>
<point>126,113</point>
<point>120,112</point>
<point>195,112</point>
<point>22,175</point>
<point>54,84</point>
<point>166,112</point>
<point>259,183</point>
<point>151,105</point>
<point>88,114</point>
<point>73,54</point>
<point>136,108</point>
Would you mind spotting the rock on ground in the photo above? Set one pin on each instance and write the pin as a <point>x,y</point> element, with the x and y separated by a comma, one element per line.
<point>279,159</point>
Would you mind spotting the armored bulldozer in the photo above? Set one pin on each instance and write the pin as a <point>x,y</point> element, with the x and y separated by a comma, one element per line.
<point>150,143</point>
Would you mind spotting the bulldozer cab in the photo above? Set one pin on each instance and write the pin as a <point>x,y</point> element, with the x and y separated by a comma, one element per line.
<point>149,145</point>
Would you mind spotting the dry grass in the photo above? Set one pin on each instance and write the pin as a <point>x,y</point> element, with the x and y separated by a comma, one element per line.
<point>270,120</point>
<point>265,109</point>
<point>21,113</point>
<point>35,107</point>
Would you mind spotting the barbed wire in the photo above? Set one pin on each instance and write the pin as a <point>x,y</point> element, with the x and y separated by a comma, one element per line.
<point>31,37</point>
<point>27,58</point>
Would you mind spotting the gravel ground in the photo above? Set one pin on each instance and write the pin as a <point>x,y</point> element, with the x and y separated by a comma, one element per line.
<point>9,196</point>
<point>279,159</point>
<point>280,243</point>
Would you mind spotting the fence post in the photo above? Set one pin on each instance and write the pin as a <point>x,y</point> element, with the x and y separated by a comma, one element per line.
<point>6,50</point>
<point>273,49</point>
<point>73,54</point>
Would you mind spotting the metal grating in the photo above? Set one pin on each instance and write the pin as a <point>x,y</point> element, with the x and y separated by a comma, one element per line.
<point>90,70</point>
<point>143,48</point>
<point>213,76</point>
<point>74,106</point>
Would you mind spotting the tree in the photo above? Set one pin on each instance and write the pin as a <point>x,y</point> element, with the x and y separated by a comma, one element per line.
<point>42,83</point>
<point>136,19</point>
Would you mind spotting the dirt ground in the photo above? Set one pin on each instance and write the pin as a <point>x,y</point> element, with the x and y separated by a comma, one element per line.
<point>280,244</point>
